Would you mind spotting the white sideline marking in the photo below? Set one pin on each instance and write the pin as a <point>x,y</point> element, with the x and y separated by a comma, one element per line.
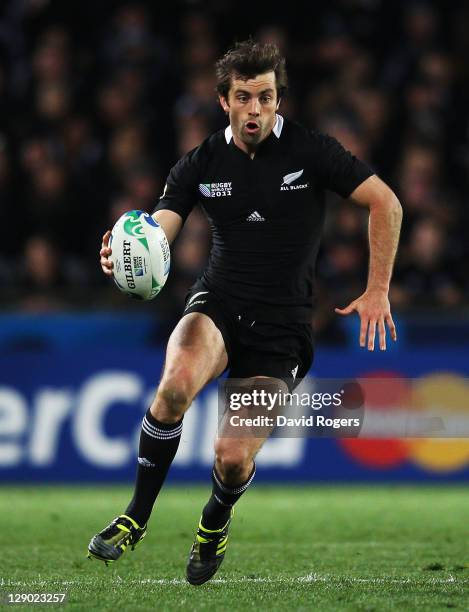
<point>297,579</point>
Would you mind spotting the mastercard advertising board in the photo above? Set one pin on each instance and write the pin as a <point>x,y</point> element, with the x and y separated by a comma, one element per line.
<point>433,386</point>
<point>78,419</point>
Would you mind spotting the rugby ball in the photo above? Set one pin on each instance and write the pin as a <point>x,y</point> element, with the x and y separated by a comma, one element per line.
<point>140,254</point>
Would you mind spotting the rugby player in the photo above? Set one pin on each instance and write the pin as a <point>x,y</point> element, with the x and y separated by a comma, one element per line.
<point>261,183</point>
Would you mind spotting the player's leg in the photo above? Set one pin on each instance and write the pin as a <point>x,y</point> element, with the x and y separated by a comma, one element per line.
<point>233,472</point>
<point>195,355</point>
<point>269,357</point>
<point>235,449</point>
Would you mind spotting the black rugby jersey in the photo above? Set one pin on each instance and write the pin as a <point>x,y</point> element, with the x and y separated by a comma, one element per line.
<point>266,214</point>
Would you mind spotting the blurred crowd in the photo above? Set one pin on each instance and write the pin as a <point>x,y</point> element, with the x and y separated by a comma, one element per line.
<point>97,102</point>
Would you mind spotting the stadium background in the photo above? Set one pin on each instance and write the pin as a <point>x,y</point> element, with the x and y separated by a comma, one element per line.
<point>96,104</point>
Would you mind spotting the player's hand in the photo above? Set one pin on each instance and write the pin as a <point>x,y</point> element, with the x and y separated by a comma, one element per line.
<point>374,310</point>
<point>105,251</point>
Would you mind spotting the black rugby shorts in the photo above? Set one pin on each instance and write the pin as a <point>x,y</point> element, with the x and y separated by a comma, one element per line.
<point>255,347</point>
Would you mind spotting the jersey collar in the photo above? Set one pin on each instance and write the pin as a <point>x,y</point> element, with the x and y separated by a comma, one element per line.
<point>277,129</point>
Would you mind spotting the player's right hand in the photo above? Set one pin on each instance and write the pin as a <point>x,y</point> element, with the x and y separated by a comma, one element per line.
<point>105,251</point>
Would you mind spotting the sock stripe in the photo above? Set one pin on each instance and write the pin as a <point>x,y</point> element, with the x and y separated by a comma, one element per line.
<point>221,502</point>
<point>156,435</point>
<point>161,434</point>
<point>236,490</point>
<point>169,429</point>
<point>152,435</point>
<point>161,429</point>
<point>160,437</point>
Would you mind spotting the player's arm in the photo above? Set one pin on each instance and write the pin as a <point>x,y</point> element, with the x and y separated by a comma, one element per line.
<point>170,221</point>
<point>173,208</point>
<point>384,227</point>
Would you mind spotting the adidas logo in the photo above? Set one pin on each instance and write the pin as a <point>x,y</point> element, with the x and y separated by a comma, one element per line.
<point>255,216</point>
<point>144,461</point>
<point>294,372</point>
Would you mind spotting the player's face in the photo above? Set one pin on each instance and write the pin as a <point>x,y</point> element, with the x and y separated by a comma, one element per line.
<point>251,106</point>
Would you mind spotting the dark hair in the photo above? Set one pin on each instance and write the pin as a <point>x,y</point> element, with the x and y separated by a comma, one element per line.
<point>246,60</point>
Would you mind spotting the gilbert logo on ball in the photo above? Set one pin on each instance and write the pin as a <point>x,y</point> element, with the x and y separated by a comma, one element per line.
<point>140,254</point>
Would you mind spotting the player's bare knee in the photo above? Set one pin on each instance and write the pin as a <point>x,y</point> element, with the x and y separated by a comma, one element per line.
<point>171,402</point>
<point>233,461</point>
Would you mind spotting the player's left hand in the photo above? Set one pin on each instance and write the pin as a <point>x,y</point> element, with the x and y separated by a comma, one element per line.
<point>374,310</point>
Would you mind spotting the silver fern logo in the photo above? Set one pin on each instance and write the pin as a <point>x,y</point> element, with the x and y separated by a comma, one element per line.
<point>290,178</point>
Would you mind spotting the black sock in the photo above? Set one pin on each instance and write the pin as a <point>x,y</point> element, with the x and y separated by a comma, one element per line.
<point>158,445</point>
<point>218,508</point>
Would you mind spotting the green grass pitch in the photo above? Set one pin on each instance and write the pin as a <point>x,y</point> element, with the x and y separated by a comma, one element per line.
<point>291,548</point>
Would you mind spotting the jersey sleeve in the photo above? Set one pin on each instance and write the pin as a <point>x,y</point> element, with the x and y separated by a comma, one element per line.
<point>180,192</point>
<point>338,169</point>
